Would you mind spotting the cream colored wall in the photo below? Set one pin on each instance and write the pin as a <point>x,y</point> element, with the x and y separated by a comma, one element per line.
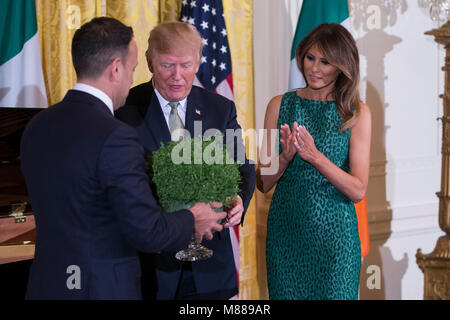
<point>401,82</point>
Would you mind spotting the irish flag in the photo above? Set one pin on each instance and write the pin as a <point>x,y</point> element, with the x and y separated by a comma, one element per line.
<point>21,77</point>
<point>313,13</point>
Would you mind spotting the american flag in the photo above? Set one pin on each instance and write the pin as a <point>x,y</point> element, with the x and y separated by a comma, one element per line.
<point>215,72</point>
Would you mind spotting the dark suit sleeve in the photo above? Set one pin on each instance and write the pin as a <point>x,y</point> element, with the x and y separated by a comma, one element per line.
<point>145,225</point>
<point>247,169</point>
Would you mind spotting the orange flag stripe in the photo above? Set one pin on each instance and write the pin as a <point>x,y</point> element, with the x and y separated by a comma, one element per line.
<point>363,226</point>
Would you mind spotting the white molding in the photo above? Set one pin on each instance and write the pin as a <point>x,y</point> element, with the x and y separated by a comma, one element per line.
<point>414,164</point>
<point>377,168</point>
<point>404,221</point>
<point>405,165</point>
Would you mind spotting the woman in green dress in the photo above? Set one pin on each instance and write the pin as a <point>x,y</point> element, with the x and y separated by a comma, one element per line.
<point>313,246</point>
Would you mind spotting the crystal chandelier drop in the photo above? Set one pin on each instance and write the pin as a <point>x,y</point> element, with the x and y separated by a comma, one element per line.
<point>439,9</point>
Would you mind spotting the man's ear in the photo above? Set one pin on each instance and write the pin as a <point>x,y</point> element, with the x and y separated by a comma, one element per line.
<point>198,64</point>
<point>149,61</point>
<point>116,68</point>
<point>198,67</point>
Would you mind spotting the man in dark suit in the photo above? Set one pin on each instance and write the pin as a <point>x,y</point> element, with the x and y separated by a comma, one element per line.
<point>86,178</point>
<point>173,56</point>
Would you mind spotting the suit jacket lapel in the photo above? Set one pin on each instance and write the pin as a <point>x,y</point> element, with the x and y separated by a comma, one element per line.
<point>154,119</point>
<point>194,112</point>
<point>156,122</point>
<point>157,125</point>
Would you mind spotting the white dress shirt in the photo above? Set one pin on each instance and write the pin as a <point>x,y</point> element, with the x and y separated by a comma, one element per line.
<point>166,108</point>
<point>96,93</point>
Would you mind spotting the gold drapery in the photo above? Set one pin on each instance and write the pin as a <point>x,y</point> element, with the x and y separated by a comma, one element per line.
<point>239,21</point>
<point>57,22</point>
<point>142,15</point>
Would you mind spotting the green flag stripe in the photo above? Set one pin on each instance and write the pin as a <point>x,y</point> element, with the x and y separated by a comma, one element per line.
<point>17,25</point>
<point>315,12</point>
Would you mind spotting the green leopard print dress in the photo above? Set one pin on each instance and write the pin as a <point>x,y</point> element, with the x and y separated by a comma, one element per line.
<point>313,246</point>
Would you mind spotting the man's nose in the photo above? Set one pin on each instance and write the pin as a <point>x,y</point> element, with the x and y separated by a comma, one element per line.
<point>176,72</point>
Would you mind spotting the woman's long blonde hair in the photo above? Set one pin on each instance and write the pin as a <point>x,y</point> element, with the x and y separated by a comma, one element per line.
<point>339,48</point>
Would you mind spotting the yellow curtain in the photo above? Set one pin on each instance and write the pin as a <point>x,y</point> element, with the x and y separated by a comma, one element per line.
<point>57,22</point>
<point>142,15</point>
<point>239,21</point>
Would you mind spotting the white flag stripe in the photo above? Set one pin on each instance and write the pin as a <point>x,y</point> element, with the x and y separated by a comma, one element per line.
<point>347,24</point>
<point>296,79</point>
<point>235,245</point>
<point>197,83</point>
<point>224,89</point>
<point>21,83</point>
